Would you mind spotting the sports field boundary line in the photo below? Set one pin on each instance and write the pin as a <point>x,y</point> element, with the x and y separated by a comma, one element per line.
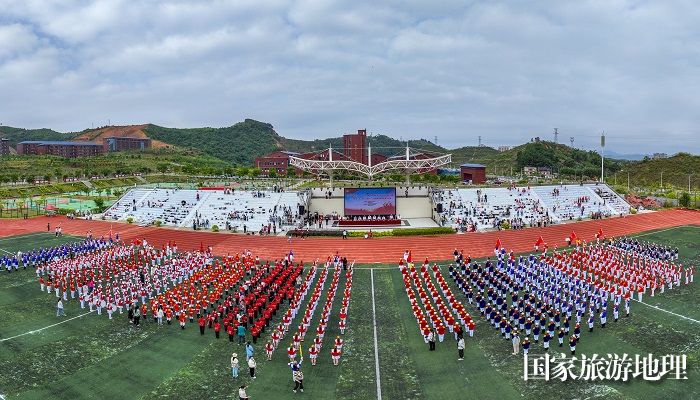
<point>647,233</point>
<point>669,312</point>
<point>23,235</point>
<point>46,327</point>
<point>376,345</point>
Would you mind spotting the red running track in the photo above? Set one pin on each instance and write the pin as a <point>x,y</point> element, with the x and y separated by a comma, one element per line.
<point>385,250</point>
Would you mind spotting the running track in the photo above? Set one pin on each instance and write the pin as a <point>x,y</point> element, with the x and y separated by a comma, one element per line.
<point>385,250</point>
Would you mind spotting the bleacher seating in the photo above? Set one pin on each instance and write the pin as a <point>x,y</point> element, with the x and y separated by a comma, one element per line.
<point>613,200</point>
<point>486,208</point>
<point>205,208</point>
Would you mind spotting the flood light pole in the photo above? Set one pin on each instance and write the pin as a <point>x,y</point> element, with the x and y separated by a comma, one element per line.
<point>602,157</point>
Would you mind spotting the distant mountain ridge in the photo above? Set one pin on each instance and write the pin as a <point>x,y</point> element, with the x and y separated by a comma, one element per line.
<point>242,142</point>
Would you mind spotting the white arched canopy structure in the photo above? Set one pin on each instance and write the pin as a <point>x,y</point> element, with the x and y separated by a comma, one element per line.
<point>407,164</point>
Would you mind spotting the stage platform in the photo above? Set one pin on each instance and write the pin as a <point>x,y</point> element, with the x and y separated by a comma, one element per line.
<point>405,223</point>
<point>377,223</point>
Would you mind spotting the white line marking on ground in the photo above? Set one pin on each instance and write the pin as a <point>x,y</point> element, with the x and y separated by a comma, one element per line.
<point>669,312</point>
<point>23,235</point>
<point>664,230</point>
<point>7,253</point>
<point>376,346</point>
<point>46,327</point>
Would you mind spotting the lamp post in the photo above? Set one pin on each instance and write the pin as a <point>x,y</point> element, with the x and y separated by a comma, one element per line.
<point>602,157</point>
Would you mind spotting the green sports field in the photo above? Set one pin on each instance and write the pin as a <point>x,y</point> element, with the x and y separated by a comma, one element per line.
<point>89,356</point>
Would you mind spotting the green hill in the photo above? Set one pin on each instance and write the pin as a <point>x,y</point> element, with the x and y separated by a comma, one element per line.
<point>676,172</point>
<point>16,135</point>
<point>240,144</point>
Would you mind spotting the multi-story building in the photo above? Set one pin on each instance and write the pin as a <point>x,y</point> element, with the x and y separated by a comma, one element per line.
<point>277,161</point>
<point>126,143</point>
<point>4,147</point>
<point>59,148</point>
<point>355,146</point>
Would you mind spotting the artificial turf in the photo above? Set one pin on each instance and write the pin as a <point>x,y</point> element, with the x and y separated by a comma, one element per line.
<point>93,357</point>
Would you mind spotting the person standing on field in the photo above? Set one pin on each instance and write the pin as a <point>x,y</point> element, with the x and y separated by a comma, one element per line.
<point>460,349</point>
<point>59,309</point>
<point>431,340</point>
<point>234,365</point>
<point>242,395</point>
<point>516,343</point>
<point>251,366</point>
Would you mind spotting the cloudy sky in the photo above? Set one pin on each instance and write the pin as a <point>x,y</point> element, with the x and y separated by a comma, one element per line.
<point>455,69</point>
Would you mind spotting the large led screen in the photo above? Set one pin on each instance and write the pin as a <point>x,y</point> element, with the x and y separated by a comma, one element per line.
<point>370,201</point>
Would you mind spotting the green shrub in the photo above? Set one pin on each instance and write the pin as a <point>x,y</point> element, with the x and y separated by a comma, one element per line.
<point>157,222</point>
<point>441,230</point>
<point>130,220</point>
<point>215,228</point>
<point>505,225</point>
<point>361,234</point>
<point>633,210</point>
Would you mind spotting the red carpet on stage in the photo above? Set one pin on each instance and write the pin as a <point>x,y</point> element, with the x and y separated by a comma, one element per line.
<point>385,250</point>
<point>381,222</point>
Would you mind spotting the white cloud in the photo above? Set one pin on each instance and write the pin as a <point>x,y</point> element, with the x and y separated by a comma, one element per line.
<point>502,70</point>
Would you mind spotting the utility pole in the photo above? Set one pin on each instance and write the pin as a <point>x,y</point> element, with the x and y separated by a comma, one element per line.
<point>479,141</point>
<point>602,157</point>
<point>571,139</point>
<point>435,140</point>
<point>556,135</point>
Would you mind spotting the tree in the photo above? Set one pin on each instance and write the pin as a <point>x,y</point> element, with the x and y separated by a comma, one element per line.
<point>272,173</point>
<point>100,204</point>
<point>254,172</point>
<point>684,200</point>
<point>162,168</point>
<point>242,171</point>
<point>291,172</point>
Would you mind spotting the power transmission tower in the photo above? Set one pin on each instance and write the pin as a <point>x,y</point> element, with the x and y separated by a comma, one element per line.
<point>436,140</point>
<point>479,141</point>
<point>571,139</point>
<point>556,135</point>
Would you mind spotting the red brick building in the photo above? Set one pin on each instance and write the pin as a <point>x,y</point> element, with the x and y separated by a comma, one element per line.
<point>355,146</point>
<point>126,143</point>
<point>4,147</point>
<point>378,158</point>
<point>279,161</point>
<point>476,173</point>
<point>61,149</point>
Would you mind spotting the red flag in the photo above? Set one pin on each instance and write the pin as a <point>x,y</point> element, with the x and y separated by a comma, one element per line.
<point>539,242</point>
<point>600,235</point>
<point>573,237</point>
<point>498,243</point>
<point>201,247</point>
<point>409,257</point>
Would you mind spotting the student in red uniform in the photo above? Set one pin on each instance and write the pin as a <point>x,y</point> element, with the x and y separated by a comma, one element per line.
<point>292,353</point>
<point>182,320</point>
<point>335,355</point>
<point>229,330</point>
<point>313,354</point>
<point>217,328</point>
<point>268,350</point>
<point>202,323</point>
